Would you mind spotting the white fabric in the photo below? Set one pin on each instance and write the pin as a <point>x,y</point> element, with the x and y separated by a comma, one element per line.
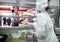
<point>44,28</point>
<point>41,4</point>
<point>15,19</point>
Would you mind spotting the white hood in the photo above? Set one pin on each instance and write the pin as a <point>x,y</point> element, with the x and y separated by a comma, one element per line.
<point>41,4</point>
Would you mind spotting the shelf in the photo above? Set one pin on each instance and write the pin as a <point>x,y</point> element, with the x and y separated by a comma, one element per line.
<point>20,27</point>
<point>23,16</point>
<point>18,40</point>
<point>33,3</point>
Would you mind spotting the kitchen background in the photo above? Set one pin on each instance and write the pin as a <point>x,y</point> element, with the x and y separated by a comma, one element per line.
<point>24,5</point>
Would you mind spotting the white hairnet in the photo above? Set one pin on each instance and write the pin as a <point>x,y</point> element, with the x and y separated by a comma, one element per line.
<point>40,5</point>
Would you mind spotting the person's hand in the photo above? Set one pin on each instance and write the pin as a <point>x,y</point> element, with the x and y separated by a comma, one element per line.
<point>24,23</point>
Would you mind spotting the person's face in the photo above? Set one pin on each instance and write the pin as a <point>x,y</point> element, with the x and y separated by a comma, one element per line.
<point>16,9</point>
<point>49,10</point>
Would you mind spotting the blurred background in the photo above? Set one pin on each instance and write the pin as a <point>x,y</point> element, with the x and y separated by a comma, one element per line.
<point>23,33</point>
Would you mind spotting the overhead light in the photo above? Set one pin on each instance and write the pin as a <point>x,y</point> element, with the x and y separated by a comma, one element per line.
<point>5,6</point>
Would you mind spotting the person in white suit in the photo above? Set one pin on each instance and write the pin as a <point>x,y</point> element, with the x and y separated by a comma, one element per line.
<point>44,28</point>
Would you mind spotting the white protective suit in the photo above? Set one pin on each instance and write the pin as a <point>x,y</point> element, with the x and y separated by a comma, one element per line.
<point>44,28</point>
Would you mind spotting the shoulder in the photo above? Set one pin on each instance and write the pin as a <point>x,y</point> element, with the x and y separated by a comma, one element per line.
<point>45,15</point>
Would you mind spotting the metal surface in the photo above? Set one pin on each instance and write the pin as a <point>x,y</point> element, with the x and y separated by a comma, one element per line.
<point>57,31</point>
<point>23,16</point>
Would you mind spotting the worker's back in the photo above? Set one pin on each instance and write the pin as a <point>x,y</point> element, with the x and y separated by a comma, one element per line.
<point>44,28</point>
